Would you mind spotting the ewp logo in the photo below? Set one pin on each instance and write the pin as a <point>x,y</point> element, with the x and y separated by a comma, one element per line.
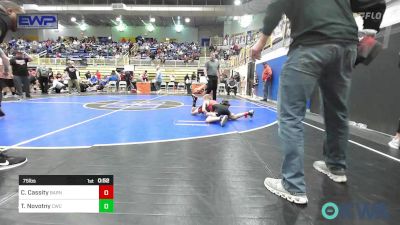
<point>47,21</point>
<point>351,211</point>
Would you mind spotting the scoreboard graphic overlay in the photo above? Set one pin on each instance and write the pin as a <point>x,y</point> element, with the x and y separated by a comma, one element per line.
<point>66,194</point>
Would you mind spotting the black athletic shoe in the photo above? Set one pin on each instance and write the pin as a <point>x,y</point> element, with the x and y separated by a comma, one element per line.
<point>2,114</point>
<point>251,113</point>
<point>9,162</point>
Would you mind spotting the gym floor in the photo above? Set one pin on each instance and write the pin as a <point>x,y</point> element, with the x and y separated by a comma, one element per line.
<point>171,168</point>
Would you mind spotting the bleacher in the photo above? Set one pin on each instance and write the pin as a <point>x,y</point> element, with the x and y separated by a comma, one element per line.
<point>179,72</point>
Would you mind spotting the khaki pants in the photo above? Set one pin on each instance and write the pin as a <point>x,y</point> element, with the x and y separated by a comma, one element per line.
<point>72,83</point>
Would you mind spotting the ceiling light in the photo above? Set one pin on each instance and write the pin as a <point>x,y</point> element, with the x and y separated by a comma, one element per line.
<point>237,2</point>
<point>150,27</point>
<point>83,27</point>
<point>245,20</point>
<point>178,28</point>
<point>73,19</point>
<point>121,27</point>
<point>187,20</point>
<point>152,19</point>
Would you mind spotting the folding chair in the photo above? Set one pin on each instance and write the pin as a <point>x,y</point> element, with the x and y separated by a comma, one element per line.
<point>181,87</point>
<point>163,86</point>
<point>221,89</point>
<point>112,86</point>
<point>122,85</point>
<point>171,85</point>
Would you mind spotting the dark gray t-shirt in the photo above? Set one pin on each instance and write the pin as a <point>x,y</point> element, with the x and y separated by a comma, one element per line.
<point>212,68</point>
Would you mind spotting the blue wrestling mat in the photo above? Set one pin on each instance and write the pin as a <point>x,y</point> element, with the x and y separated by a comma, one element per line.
<point>85,121</point>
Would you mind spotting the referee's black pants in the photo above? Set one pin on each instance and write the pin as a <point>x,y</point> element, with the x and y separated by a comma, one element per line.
<point>212,85</point>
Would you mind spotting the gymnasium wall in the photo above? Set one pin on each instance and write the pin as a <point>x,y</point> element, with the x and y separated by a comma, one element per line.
<point>210,31</point>
<point>233,27</point>
<point>375,94</point>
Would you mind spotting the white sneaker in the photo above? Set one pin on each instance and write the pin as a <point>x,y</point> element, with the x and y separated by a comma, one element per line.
<point>394,143</point>
<point>224,119</point>
<point>337,176</point>
<point>275,186</point>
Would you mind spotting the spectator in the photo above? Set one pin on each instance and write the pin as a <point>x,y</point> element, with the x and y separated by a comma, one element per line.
<point>19,66</point>
<point>72,77</point>
<point>145,76</point>
<point>51,74</point>
<point>128,79</point>
<point>224,78</point>
<point>93,81</point>
<point>194,77</point>
<point>57,85</point>
<point>159,78</point>
<point>267,78</point>
<point>88,75</point>
<point>33,81</point>
<point>43,77</point>
<point>98,75</point>
<point>6,78</point>
<point>188,83</point>
<point>231,84</point>
<point>172,79</point>
<point>394,143</point>
<point>113,76</point>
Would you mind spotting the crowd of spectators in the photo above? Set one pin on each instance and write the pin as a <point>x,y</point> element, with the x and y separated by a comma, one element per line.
<point>68,48</point>
<point>225,52</point>
<point>91,47</point>
<point>162,51</point>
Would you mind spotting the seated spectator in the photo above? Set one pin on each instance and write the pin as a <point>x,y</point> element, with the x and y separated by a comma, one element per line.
<point>113,76</point>
<point>98,75</point>
<point>194,77</point>
<point>88,75</point>
<point>93,81</point>
<point>232,85</point>
<point>57,85</point>
<point>172,78</point>
<point>145,76</point>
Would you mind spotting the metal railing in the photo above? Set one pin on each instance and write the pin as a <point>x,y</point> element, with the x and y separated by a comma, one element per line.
<point>122,61</point>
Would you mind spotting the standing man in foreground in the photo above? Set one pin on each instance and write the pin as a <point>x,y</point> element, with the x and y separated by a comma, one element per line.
<point>8,20</point>
<point>323,51</point>
<point>212,72</point>
<point>19,66</point>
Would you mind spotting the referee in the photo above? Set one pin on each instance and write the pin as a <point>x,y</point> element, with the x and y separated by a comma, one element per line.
<point>212,72</point>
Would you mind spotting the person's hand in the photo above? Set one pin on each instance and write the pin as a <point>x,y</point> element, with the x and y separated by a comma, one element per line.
<point>255,51</point>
